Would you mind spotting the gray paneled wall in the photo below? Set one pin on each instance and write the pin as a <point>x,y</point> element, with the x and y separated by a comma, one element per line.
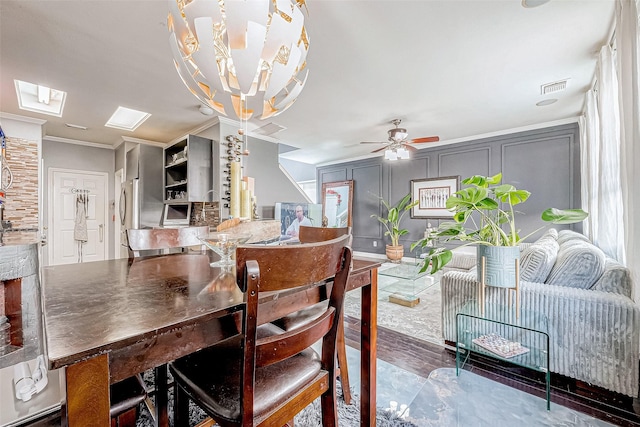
<point>544,161</point>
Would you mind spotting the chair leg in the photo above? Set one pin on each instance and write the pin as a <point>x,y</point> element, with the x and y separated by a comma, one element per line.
<point>342,364</point>
<point>329,407</point>
<point>180,407</point>
<point>126,419</point>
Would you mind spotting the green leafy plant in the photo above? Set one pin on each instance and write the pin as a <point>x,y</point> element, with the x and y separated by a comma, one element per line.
<point>394,216</point>
<point>494,223</point>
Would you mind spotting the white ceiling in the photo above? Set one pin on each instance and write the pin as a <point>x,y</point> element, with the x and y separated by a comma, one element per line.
<point>457,69</point>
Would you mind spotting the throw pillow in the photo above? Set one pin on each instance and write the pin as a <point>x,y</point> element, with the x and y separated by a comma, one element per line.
<point>579,265</point>
<point>537,259</point>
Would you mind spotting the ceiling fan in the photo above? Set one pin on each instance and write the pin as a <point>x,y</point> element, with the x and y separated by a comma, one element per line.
<point>398,139</point>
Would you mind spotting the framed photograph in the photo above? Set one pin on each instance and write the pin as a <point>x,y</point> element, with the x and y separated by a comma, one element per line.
<point>293,214</point>
<point>337,198</point>
<point>432,194</point>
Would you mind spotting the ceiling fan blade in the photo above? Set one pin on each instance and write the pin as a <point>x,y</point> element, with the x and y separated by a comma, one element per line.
<point>373,142</point>
<point>380,149</point>
<point>409,147</point>
<point>425,139</point>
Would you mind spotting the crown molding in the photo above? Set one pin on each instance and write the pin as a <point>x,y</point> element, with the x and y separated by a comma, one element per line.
<point>141,141</point>
<point>25,119</point>
<point>77,142</point>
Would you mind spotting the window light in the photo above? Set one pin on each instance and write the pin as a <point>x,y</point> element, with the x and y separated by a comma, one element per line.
<point>39,98</point>
<point>127,119</point>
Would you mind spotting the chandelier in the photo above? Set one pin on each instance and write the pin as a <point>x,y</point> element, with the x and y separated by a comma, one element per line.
<point>246,54</point>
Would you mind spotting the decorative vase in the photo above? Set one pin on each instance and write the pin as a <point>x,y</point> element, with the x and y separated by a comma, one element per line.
<point>500,265</point>
<point>395,253</point>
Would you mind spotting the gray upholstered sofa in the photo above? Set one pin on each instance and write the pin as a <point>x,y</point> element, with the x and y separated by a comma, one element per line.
<point>594,325</point>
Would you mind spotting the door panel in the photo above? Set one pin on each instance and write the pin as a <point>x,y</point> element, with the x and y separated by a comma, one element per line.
<point>65,188</point>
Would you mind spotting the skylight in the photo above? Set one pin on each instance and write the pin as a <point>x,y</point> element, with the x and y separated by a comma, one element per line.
<point>127,119</point>
<point>40,99</point>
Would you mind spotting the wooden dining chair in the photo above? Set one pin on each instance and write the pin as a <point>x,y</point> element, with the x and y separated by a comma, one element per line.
<point>265,375</point>
<point>150,241</point>
<point>308,234</point>
<point>318,234</point>
<point>126,395</point>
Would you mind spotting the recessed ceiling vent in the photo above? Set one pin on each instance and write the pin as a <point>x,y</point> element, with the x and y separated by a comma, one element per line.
<point>269,129</point>
<point>558,86</point>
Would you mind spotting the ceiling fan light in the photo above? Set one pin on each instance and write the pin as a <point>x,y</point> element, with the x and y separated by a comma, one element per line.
<point>403,153</point>
<point>390,155</point>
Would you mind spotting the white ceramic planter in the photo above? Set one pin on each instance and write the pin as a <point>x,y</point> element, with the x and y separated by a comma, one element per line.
<point>500,265</point>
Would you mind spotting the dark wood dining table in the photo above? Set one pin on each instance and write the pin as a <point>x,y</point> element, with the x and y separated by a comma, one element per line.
<point>105,321</point>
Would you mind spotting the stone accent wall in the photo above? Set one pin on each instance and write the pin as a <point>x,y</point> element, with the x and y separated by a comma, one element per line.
<point>212,214</point>
<point>21,206</point>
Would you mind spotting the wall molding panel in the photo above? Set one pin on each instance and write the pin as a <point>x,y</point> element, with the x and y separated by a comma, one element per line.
<point>544,161</point>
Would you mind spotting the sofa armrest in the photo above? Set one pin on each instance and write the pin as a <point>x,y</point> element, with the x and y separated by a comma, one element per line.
<point>457,288</point>
<point>594,334</point>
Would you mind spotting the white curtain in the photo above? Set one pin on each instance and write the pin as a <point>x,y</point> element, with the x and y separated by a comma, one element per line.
<point>589,149</point>
<point>610,145</point>
<point>601,178</point>
<point>628,66</point>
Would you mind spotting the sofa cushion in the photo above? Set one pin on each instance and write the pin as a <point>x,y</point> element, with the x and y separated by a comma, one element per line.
<point>578,265</point>
<point>537,259</point>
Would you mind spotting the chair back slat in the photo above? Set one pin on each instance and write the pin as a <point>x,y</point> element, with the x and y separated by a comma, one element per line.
<point>320,234</point>
<point>279,347</point>
<point>294,265</point>
<point>157,239</point>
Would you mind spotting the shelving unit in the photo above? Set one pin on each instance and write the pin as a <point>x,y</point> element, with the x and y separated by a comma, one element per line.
<point>188,172</point>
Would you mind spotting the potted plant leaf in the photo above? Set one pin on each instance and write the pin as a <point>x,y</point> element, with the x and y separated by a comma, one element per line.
<point>484,215</point>
<point>391,222</point>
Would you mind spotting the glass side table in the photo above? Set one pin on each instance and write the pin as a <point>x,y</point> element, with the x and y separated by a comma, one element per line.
<point>498,333</point>
<point>408,284</point>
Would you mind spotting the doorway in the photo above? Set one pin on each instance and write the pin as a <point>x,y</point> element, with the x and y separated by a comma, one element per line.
<point>70,193</point>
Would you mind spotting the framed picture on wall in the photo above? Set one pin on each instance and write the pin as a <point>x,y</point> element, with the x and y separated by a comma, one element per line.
<point>337,200</point>
<point>432,194</point>
<point>293,214</point>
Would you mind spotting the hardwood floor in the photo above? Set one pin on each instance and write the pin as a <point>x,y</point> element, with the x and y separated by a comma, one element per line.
<point>422,357</point>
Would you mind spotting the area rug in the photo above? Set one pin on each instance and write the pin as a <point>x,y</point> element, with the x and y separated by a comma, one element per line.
<point>422,321</point>
<point>472,400</point>
<point>348,415</point>
<point>443,399</point>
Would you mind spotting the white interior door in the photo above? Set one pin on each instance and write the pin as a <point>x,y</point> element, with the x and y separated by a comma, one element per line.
<point>64,188</point>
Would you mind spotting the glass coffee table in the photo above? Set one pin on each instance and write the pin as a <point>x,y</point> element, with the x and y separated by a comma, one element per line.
<point>408,284</point>
<point>499,332</point>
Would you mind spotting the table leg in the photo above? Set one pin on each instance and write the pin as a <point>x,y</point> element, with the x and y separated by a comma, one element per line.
<point>88,393</point>
<point>162,415</point>
<point>368,351</point>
